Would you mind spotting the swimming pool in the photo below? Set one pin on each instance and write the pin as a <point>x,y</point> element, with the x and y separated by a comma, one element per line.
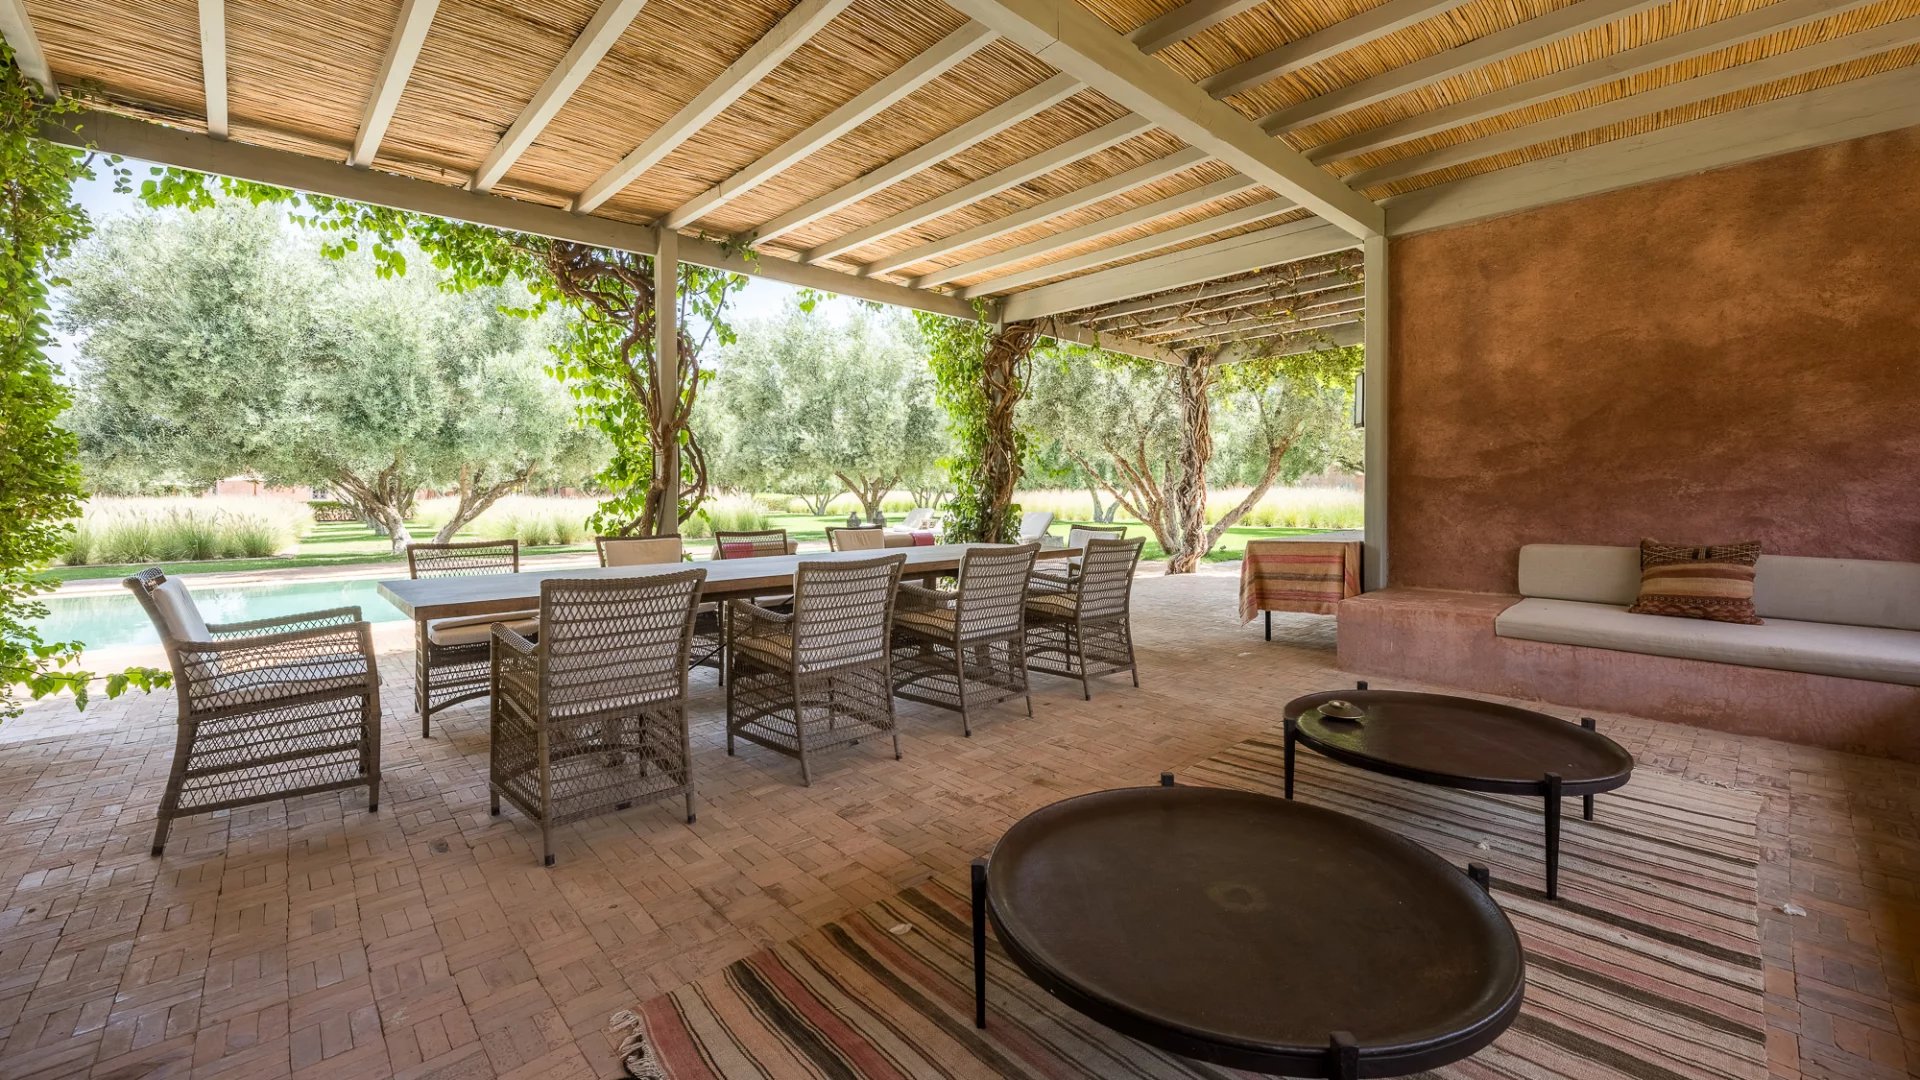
<point>115,618</point>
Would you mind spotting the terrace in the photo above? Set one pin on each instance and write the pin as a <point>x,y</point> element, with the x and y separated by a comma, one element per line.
<point>1620,270</point>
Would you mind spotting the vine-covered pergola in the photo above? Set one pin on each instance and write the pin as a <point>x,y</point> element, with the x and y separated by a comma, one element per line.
<point>1163,178</point>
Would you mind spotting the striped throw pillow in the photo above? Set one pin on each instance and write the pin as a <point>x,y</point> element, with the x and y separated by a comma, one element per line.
<point>1687,582</point>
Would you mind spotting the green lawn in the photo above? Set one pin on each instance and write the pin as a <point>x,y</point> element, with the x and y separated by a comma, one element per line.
<point>353,544</point>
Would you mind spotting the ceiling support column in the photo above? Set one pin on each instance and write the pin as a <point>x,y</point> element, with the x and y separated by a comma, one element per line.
<point>1374,388</point>
<point>666,378</point>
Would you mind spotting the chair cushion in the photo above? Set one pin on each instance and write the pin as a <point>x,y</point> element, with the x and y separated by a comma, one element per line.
<point>938,622</point>
<point>1861,592</point>
<point>1057,605</point>
<point>1713,583</point>
<point>774,650</point>
<point>1849,652</point>
<point>266,685</point>
<point>179,616</point>
<point>474,629</point>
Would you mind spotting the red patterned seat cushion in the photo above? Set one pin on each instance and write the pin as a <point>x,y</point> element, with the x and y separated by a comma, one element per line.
<point>1713,582</point>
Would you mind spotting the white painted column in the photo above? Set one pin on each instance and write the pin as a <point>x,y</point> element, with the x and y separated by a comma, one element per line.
<point>666,371</point>
<point>1374,386</point>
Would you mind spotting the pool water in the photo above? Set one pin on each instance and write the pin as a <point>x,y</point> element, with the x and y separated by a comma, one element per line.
<point>116,618</point>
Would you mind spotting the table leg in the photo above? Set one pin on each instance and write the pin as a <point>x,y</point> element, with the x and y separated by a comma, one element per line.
<point>980,943</point>
<point>1481,876</point>
<point>1586,801</point>
<point>1553,836</point>
<point>1269,625</point>
<point>1343,1056</point>
<point>1288,755</point>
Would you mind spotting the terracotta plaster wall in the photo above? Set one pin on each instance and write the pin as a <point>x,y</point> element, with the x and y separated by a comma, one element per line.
<point>1728,356</point>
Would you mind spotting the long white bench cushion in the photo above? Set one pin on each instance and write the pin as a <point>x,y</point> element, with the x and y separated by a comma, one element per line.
<point>1875,653</point>
<point>474,629</point>
<point>1856,592</point>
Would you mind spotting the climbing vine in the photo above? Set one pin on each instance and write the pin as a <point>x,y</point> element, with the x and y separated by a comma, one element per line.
<point>607,354</point>
<point>979,373</point>
<point>40,483</point>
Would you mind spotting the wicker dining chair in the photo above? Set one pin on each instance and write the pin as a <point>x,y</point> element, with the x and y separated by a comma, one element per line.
<point>1084,628</point>
<point>638,550</point>
<point>822,676</point>
<point>753,544</point>
<point>966,648</point>
<point>594,718</point>
<point>849,538</point>
<point>268,709</point>
<point>450,655</point>
<point>1055,573</point>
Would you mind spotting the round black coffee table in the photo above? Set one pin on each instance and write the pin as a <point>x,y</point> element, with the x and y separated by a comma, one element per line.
<point>1466,744</point>
<point>1247,931</point>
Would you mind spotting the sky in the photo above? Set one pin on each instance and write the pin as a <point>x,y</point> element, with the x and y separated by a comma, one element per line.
<point>760,299</point>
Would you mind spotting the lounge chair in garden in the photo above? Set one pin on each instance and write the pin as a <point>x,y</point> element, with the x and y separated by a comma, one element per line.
<point>1034,525</point>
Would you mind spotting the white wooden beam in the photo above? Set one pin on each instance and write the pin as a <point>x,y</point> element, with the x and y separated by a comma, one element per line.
<point>1292,344</point>
<point>609,21</point>
<point>1074,40</point>
<point>886,93</point>
<point>982,127</point>
<point>17,28</point>
<point>1848,110</point>
<point>1295,305</point>
<point>1236,255</point>
<point>792,31</point>
<point>403,51</point>
<point>1101,138</point>
<point>1733,30</point>
<point>1375,393</point>
<point>1241,329</point>
<point>1077,199</point>
<point>1157,241</point>
<point>213,64</point>
<point>1084,335</point>
<point>1370,25</point>
<point>1112,223</point>
<point>1215,291</point>
<point>1477,53</point>
<point>1187,20</point>
<point>1307,292</point>
<point>1784,65</point>
<point>138,139</point>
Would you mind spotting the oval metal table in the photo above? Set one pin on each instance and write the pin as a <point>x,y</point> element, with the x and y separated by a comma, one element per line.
<point>1247,931</point>
<point>1466,744</point>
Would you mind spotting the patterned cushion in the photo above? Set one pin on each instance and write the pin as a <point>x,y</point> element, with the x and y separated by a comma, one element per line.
<point>773,650</point>
<point>937,622</point>
<point>1057,605</point>
<point>1713,583</point>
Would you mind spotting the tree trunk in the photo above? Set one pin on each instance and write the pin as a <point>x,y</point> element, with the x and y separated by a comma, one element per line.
<point>1000,459</point>
<point>816,503</point>
<point>475,497</point>
<point>870,490</point>
<point>1271,472</point>
<point>385,499</point>
<point>1189,501</point>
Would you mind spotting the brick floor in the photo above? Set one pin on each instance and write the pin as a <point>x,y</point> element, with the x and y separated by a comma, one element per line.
<point>312,938</point>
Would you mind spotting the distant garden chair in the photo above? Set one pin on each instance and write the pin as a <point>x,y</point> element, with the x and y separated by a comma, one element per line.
<point>451,655</point>
<point>966,648</point>
<point>917,518</point>
<point>1034,525</point>
<point>754,544</point>
<point>638,550</point>
<point>594,718</point>
<point>268,709</point>
<point>848,538</point>
<point>1084,628</point>
<point>822,676</point>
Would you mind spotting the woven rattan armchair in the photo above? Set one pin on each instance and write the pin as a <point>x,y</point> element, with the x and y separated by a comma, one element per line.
<point>966,648</point>
<point>822,676</point>
<point>450,655</point>
<point>757,544</point>
<point>850,538</point>
<point>1084,627</point>
<point>1055,573</point>
<point>269,709</point>
<point>594,718</point>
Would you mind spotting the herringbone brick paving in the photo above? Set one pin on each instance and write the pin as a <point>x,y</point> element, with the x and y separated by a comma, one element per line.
<point>311,938</point>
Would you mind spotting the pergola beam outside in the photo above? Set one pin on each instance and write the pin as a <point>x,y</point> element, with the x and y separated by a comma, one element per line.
<point>1308,291</point>
<point>1294,304</point>
<point>608,23</point>
<point>806,19</point>
<point>1260,328</point>
<point>403,51</point>
<point>1294,343</point>
<point>1237,255</point>
<point>213,64</point>
<point>1074,40</point>
<point>1477,53</point>
<point>1656,54</point>
<point>1213,290</point>
<point>886,93</point>
<point>17,28</point>
<point>1674,95</point>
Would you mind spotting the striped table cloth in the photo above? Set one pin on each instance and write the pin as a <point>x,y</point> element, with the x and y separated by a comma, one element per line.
<point>1311,576</point>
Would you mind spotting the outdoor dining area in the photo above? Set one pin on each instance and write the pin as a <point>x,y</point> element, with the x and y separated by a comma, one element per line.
<point>586,671</point>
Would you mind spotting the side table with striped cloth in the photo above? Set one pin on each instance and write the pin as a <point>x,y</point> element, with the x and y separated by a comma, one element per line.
<point>1310,575</point>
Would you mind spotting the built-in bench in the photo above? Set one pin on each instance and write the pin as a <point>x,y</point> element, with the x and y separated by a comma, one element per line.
<point>1836,664</point>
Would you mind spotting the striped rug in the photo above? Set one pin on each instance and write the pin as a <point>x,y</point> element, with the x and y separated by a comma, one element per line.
<point>1647,967</point>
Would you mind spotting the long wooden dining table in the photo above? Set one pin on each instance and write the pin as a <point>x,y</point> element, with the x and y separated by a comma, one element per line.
<point>727,579</point>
